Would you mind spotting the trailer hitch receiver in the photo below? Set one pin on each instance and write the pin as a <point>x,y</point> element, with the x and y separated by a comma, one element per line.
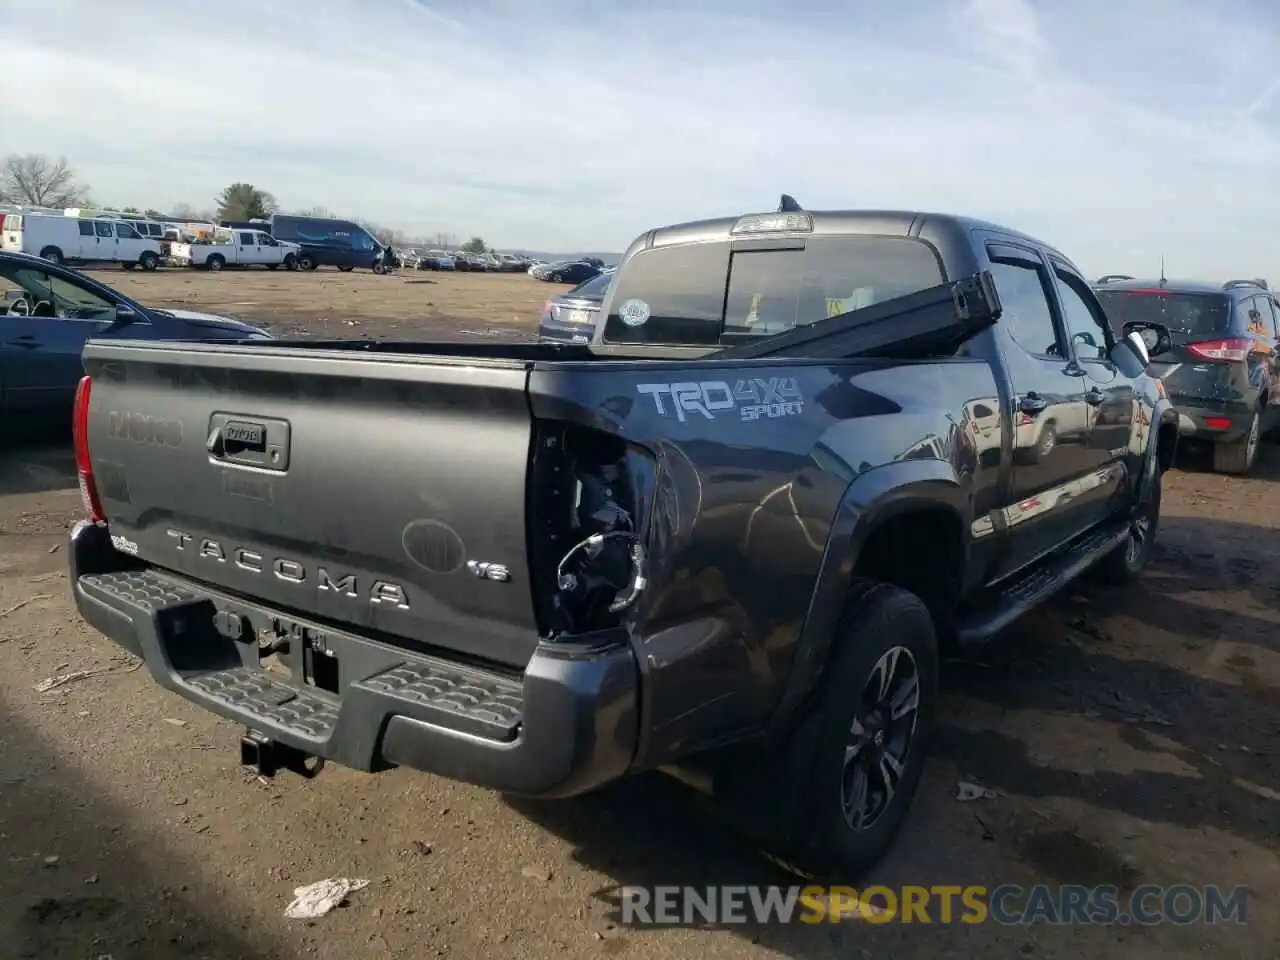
<point>267,757</point>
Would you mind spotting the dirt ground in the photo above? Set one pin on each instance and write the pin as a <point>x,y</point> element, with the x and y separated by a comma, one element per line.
<point>1131,737</point>
<point>328,303</point>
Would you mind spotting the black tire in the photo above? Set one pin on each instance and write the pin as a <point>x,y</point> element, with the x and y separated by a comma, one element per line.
<point>1123,566</point>
<point>148,261</point>
<point>307,263</point>
<point>346,269</point>
<point>882,623</point>
<point>216,262</point>
<point>128,266</point>
<point>1238,457</point>
<point>290,262</point>
<point>52,254</point>
<point>556,278</point>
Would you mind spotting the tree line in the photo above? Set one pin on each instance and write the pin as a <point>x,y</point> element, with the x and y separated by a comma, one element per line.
<point>41,181</point>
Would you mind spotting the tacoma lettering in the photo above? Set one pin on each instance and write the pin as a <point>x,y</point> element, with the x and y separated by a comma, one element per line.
<point>288,570</point>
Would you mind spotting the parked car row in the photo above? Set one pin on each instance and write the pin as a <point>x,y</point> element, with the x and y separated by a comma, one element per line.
<point>465,261</point>
<point>304,243</point>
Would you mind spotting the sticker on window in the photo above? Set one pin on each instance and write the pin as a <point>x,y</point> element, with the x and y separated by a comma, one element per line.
<point>633,312</point>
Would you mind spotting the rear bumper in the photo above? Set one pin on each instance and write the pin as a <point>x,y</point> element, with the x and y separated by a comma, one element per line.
<point>565,726</point>
<point>1218,421</point>
<point>564,332</point>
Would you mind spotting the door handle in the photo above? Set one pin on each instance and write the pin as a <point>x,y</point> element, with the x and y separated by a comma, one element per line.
<point>1033,403</point>
<point>1094,397</point>
<point>27,342</point>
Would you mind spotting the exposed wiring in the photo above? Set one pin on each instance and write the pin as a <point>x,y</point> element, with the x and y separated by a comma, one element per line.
<point>591,547</point>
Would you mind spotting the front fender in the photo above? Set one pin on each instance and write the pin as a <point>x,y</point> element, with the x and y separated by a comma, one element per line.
<point>872,498</point>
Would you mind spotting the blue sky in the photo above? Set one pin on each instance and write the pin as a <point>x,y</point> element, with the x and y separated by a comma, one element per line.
<point>1119,131</point>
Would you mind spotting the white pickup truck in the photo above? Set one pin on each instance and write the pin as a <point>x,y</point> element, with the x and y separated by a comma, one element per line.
<point>236,248</point>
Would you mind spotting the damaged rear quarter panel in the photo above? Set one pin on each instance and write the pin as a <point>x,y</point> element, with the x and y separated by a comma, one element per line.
<point>753,460</point>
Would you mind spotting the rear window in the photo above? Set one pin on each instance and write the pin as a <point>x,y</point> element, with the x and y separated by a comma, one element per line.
<point>698,294</point>
<point>595,287</point>
<point>1187,313</point>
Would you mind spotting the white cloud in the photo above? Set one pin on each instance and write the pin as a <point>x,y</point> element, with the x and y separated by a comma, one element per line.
<point>1119,132</point>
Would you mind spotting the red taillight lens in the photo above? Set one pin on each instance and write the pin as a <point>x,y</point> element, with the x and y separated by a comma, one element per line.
<point>84,465</point>
<point>1217,423</point>
<point>1231,350</point>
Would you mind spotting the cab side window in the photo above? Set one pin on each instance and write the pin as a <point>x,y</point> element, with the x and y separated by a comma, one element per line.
<point>1026,314</point>
<point>1085,322</point>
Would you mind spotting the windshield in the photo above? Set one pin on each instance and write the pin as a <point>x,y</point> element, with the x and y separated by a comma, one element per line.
<point>699,293</point>
<point>1197,314</point>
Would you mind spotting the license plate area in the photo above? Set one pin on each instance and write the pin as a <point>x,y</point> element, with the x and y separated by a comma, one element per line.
<point>299,652</point>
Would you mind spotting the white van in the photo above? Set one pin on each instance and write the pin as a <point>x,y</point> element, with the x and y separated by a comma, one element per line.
<point>78,240</point>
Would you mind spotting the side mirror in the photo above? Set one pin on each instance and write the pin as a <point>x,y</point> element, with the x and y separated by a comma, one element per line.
<point>1139,346</point>
<point>125,314</point>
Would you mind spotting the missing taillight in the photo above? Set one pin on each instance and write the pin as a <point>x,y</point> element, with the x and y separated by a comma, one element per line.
<point>84,463</point>
<point>589,522</point>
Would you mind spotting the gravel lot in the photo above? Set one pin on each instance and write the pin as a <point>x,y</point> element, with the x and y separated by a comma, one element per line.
<point>1131,738</point>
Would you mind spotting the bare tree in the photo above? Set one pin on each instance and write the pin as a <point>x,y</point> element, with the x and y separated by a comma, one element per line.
<point>185,211</point>
<point>40,181</point>
<point>446,241</point>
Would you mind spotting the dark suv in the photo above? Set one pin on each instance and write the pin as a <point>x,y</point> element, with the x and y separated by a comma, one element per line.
<point>1222,372</point>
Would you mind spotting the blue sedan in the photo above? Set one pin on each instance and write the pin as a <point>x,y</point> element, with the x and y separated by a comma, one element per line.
<point>47,312</point>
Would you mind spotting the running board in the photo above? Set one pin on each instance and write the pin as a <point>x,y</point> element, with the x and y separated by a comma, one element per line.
<point>1008,601</point>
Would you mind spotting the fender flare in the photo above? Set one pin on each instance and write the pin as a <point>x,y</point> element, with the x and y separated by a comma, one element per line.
<point>1163,418</point>
<point>872,498</point>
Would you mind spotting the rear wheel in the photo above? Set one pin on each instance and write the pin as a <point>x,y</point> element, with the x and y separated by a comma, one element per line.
<point>306,262</point>
<point>874,719</point>
<point>52,254</point>
<point>128,266</point>
<point>1238,457</point>
<point>290,262</point>
<point>1125,565</point>
<point>148,261</point>
<point>346,269</point>
<point>216,262</point>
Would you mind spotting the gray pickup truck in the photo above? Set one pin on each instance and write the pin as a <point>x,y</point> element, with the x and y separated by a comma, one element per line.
<point>727,539</point>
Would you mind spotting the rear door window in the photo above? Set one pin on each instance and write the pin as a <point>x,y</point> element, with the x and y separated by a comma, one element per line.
<point>704,294</point>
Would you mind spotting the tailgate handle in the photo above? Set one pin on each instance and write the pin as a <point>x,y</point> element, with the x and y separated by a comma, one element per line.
<point>248,441</point>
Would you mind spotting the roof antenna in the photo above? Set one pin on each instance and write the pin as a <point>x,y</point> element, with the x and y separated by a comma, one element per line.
<point>788,204</point>
<point>1163,280</point>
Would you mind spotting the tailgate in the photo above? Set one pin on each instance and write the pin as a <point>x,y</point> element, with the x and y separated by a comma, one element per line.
<point>351,487</point>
